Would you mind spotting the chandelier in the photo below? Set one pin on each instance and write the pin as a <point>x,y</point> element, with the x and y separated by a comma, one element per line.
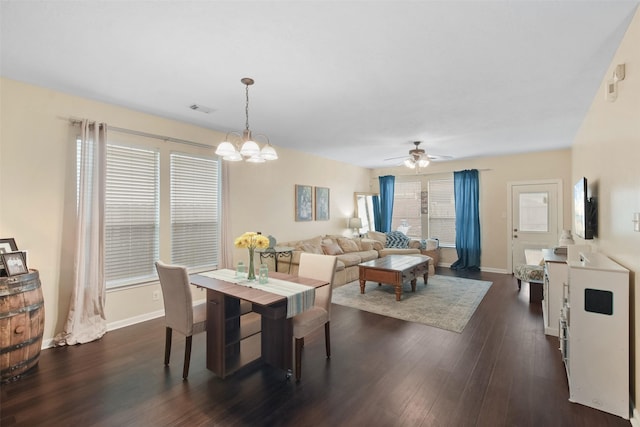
<point>247,149</point>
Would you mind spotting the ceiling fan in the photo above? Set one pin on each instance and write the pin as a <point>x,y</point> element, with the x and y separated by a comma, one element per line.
<point>418,158</point>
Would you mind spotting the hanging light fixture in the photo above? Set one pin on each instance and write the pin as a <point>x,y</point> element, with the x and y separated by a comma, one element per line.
<point>248,150</point>
<point>417,158</point>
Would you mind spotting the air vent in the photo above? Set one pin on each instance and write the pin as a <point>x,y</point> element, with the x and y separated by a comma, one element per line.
<point>201,108</point>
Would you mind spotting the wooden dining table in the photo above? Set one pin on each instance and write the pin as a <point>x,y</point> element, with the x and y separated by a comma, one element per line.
<point>231,343</point>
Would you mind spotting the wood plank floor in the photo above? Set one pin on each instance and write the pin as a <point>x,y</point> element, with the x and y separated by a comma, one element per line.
<point>500,371</point>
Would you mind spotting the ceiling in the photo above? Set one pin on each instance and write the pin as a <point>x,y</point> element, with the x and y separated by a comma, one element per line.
<point>354,81</point>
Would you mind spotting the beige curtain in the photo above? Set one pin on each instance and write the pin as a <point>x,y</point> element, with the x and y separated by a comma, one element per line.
<point>86,320</point>
<point>226,239</point>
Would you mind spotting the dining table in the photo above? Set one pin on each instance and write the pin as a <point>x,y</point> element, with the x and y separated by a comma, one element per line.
<point>232,342</point>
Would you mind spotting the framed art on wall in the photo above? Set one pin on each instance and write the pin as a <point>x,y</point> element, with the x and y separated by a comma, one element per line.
<point>322,204</point>
<point>304,203</point>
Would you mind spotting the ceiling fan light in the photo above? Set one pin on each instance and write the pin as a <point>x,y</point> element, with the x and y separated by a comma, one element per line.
<point>225,148</point>
<point>410,163</point>
<point>423,163</point>
<point>268,152</point>
<point>249,149</point>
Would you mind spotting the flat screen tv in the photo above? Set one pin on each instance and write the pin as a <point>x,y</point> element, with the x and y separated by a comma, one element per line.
<point>584,211</point>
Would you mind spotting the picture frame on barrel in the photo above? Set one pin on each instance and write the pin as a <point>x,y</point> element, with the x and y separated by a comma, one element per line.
<point>7,245</point>
<point>14,263</point>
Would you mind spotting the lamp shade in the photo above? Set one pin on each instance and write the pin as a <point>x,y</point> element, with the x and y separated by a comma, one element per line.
<point>355,223</point>
<point>225,148</point>
<point>249,148</point>
<point>268,152</point>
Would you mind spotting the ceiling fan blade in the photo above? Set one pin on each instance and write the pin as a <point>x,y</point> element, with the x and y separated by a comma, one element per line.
<point>435,158</point>
<point>396,158</point>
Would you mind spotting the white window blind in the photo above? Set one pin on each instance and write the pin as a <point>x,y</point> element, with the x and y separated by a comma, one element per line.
<point>442,212</point>
<point>406,215</point>
<point>131,214</point>
<point>194,211</point>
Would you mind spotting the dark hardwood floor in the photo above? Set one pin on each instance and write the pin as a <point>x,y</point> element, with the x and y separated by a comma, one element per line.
<point>500,371</point>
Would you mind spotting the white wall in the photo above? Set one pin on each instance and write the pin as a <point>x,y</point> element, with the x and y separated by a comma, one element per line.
<point>607,151</point>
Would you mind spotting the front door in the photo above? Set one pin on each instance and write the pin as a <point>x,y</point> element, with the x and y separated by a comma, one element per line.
<point>536,209</point>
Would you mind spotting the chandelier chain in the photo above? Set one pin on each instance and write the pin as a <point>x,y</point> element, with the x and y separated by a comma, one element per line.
<point>246,108</point>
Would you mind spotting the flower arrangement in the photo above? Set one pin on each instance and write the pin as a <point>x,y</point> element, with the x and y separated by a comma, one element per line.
<point>251,240</point>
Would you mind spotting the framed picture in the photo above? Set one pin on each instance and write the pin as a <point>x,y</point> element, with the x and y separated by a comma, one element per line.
<point>14,263</point>
<point>6,246</point>
<point>322,204</point>
<point>304,203</point>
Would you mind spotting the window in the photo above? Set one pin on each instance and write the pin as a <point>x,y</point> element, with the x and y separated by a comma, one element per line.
<point>406,209</point>
<point>131,214</point>
<point>194,211</point>
<point>442,212</point>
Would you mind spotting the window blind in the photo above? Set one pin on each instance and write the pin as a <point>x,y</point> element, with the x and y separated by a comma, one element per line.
<point>131,214</point>
<point>406,208</point>
<point>194,211</point>
<point>442,212</point>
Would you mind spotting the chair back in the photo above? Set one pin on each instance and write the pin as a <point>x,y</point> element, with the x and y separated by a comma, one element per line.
<point>319,267</point>
<point>176,293</point>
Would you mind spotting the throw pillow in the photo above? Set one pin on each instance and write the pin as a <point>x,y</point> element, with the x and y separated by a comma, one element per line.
<point>366,245</point>
<point>397,239</point>
<point>313,249</point>
<point>332,249</point>
<point>376,235</point>
<point>348,245</point>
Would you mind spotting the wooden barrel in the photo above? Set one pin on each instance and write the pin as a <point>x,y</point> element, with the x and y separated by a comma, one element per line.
<point>21,324</point>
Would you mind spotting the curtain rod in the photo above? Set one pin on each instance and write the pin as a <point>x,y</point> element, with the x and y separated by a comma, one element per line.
<point>149,135</point>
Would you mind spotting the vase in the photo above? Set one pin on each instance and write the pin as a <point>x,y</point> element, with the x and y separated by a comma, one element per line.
<point>251,274</point>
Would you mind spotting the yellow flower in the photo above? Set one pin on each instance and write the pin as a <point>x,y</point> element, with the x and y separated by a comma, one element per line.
<point>251,240</point>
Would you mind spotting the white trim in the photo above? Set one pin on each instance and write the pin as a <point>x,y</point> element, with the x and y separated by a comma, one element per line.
<point>112,326</point>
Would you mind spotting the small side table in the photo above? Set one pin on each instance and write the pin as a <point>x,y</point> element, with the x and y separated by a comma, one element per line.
<point>276,253</point>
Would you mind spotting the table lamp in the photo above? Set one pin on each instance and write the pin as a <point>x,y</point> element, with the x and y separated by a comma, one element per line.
<point>356,224</point>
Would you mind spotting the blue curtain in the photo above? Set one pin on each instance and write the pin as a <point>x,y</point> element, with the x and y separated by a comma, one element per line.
<point>387,184</point>
<point>377,218</point>
<point>466,196</point>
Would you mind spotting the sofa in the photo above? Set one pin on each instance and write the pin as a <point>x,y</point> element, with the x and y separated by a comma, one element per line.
<point>350,252</point>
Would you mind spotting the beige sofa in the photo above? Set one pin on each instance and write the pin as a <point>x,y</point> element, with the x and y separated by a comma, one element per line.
<point>350,252</point>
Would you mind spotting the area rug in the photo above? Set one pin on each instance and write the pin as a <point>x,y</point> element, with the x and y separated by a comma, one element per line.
<point>446,302</point>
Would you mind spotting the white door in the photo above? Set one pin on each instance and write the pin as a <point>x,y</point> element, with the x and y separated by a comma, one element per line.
<point>536,209</point>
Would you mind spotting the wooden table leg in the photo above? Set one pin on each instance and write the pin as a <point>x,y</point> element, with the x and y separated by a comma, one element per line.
<point>398,291</point>
<point>413,284</point>
<point>426,276</point>
<point>362,282</point>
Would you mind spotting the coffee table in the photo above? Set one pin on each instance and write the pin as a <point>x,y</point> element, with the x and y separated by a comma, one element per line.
<point>395,270</point>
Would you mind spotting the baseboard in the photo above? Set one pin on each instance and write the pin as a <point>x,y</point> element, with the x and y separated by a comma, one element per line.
<point>485,269</point>
<point>133,320</point>
<point>48,343</point>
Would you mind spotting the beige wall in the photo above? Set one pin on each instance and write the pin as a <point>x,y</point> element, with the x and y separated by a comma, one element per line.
<point>37,190</point>
<point>606,151</point>
<point>495,175</point>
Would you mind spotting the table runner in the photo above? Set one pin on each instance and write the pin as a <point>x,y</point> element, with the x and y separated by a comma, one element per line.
<point>299,297</point>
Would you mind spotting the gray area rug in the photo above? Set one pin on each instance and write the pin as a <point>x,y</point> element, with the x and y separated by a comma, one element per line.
<point>446,302</point>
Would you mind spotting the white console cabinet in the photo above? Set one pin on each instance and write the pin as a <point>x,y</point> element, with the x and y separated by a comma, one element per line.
<point>556,272</point>
<point>594,333</point>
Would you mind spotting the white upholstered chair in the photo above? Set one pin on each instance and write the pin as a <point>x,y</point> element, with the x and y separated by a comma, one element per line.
<point>320,267</point>
<point>179,313</point>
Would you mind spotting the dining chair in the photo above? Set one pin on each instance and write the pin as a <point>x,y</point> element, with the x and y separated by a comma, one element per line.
<point>179,312</point>
<point>320,267</point>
